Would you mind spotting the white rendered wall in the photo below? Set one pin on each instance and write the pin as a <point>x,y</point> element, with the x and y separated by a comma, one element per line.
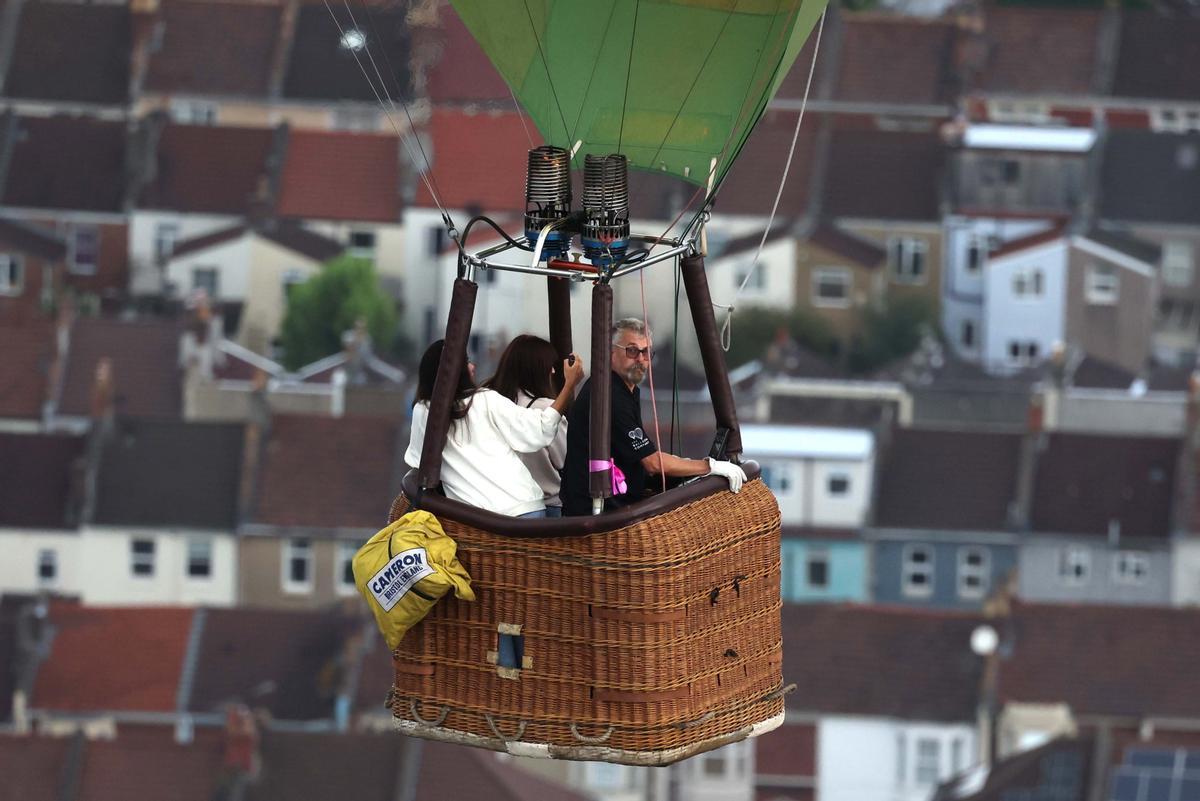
<point>231,260</point>
<point>1040,319</point>
<point>107,576</point>
<point>19,563</point>
<point>806,500</point>
<point>145,277</point>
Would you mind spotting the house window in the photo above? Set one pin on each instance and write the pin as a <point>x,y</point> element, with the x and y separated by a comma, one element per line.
<point>831,287</point>
<point>292,278</point>
<point>208,280</point>
<point>967,337</point>
<point>1028,284</point>
<point>1175,120</point>
<point>974,569</point>
<point>356,119</point>
<point>47,566</point>
<point>437,240</point>
<point>362,244</point>
<point>816,565</point>
<point>727,764</point>
<point>85,249</point>
<point>194,112</point>
<point>1101,285</point>
<point>917,571</point>
<point>1131,567</point>
<point>166,234</point>
<point>929,756</point>
<point>976,253</point>
<point>12,274</point>
<point>297,565</point>
<point>141,554</point>
<point>1177,263</point>
<point>757,278</point>
<point>839,485</point>
<point>344,580</point>
<point>778,477</point>
<point>999,172</point>
<point>606,776</point>
<point>199,558</point>
<point>1022,353</point>
<point>906,259</point>
<point>1074,565</point>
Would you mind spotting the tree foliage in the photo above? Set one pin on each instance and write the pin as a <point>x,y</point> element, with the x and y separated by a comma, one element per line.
<point>890,333</point>
<point>756,327</point>
<point>328,304</point>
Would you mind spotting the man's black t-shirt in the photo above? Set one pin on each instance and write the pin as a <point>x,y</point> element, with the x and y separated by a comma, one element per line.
<point>630,444</point>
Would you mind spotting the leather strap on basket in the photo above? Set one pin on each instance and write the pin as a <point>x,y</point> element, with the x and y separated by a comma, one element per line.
<point>454,357</point>
<point>558,297</point>
<point>700,301</point>
<point>600,424</point>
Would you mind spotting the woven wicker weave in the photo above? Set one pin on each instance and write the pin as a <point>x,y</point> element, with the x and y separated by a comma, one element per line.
<point>643,645</point>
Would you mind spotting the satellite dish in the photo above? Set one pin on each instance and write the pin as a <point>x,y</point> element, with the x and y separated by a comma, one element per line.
<point>984,640</point>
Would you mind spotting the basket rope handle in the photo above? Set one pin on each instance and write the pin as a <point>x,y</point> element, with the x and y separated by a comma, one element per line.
<point>438,721</point>
<point>583,738</point>
<point>492,725</point>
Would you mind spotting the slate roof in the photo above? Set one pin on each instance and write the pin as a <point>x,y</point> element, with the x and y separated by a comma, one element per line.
<point>462,72</point>
<point>215,48</point>
<point>1061,767</point>
<point>145,359</point>
<point>90,666</point>
<point>320,68</point>
<point>896,59</point>
<point>1061,42</point>
<point>347,480</point>
<point>167,473</point>
<point>947,480</point>
<point>1126,244</point>
<point>208,169</point>
<point>751,184</point>
<point>36,476</point>
<point>1159,56</point>
<point>836,654</point>
<point>854,248</point>
<point>24,370</point>
<point>478,160</point>
<point>1150,177</point>
<point>71,52</point>
<point>67,163</point>
<point>32,240</point>
<point>286,662</point>
<point>341,176</point>
<point>1085,481</point>
<point>884,175</point>
<point>1119,649</point>
<point>31,767</point>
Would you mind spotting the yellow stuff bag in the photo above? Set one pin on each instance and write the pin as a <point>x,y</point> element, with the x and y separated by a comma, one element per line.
<point>404,569</point>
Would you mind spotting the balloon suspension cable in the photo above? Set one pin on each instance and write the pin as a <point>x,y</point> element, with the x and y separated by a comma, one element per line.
<point>427,173</point>
<point>727,326</point>
<point>650,373</point>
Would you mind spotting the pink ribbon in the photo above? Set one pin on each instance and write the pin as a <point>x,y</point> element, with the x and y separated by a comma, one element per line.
<point>619,486</point>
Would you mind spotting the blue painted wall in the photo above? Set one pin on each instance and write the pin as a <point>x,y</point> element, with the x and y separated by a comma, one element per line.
<point>944,591</point>
<point>846,571</point>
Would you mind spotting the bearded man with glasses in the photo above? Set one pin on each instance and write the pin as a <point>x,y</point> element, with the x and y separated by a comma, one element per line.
<point>633,452</point>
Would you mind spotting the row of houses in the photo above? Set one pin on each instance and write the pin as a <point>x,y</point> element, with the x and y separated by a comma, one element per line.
<point>888,703</point>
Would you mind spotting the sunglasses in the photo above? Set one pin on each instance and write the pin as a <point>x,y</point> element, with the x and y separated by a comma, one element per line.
<point>632,351</point>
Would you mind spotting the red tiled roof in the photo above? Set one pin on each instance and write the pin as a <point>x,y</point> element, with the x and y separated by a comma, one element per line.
<point>28,354</point>
<point>1130,661</point>
<point>463,73</point>
<point>751,184</point>
<point>347,479</point>
<point>145,358</point>
<point>341,176</point>
<point>1039,50</point>
<point>75,52</point>
<point>889,662</point>
<point>1028,242</point>
<point>208,169</point>
<point>895,59</point>
<point>215,48</point>
<point>479,160</point>
<point>146,762</point>
<point>790,750</point>
<point>65,162</point>
<point>884,175</point>
<point>106,658</point>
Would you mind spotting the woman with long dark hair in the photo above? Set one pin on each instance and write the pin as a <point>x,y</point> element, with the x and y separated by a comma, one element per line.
<point>480,463</point>
<point>526,376</point>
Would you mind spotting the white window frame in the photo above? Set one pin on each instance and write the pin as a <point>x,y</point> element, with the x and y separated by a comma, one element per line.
<point>1131,568</point>
<point>199,551</point>
<point>1178,264</point>
<point>356,118</point>
<point>194,112</point>
<point>1018,111</point>
<point>344,558</point>
<point>1174,119</point>
<point>924,763</point>
<point>844,476</point>
<point>215,292</point>
<point>1102,284</point>
<point>981,572</point>
<point>1028,352</point>
<point>360,251</point>
<point>606,776</point>
<point>836,275</point>
<point>12,274</point>
<point>142,559</point>
<point>73,265</point>
<point>758,277</point>
<point>778,477</point>
<point>729,763</point>
<point>166,236</point>
<point>817,556</point>
<point>1028,284</point>
<point>908,259</point>
<point>296,548</point>
<point>909,569</point>
<point>1074,565</point>
<point>47,557</point>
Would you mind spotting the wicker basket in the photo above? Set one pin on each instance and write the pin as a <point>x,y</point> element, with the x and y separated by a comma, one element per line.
<point>643,646</point>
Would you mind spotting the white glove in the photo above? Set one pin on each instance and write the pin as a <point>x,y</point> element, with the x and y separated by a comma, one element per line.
<point>732,473</point>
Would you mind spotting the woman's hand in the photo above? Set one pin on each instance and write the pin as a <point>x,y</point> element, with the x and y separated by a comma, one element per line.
<point>572,370</point>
